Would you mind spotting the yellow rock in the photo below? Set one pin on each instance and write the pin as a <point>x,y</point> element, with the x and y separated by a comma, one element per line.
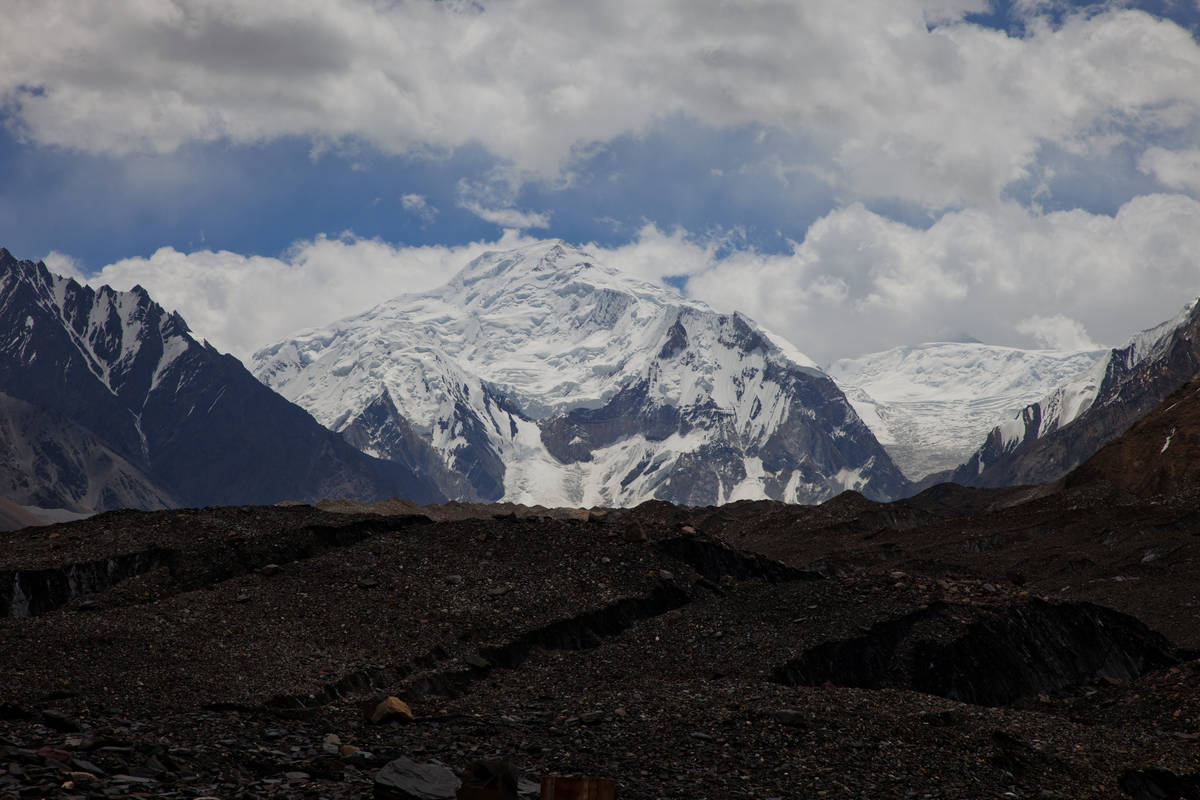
<point>391,708</point>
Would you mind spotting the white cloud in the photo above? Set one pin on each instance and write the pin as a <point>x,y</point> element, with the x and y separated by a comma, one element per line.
<point>419,206</point>
<point>1179,169</point>
<point>944,116</point>
<point>861,283</point>
<point>63,264</point>
<point>241,303</point>
<point>508,217</point>
<point>1057,332</point>
<point>858,282</point>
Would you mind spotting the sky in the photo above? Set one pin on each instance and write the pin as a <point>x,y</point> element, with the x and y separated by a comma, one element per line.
<point>853,174</point>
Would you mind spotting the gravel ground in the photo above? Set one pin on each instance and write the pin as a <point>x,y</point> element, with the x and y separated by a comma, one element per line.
<point>636,646</point>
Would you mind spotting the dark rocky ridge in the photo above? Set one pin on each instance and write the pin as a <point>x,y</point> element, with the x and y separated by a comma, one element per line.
<point>988,656</point>
<point>126,408</point>
<point>48,460</point>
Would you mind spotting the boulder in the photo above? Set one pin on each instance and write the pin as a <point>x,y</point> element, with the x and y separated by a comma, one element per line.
<point>389,709</point>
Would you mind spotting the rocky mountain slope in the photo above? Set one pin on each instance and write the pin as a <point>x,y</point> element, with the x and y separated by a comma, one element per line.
<point>1049,438</point>
<point>14,517</point>
<point>931,404</point>
<point>106,400</point>
<point>537,375</point>
<point>1159,455</point>
<point>49,461</point>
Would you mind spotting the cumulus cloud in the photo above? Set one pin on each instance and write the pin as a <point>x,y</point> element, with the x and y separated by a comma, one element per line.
<point>860,282</point>
<point>1179,169</point>
<point>857,283</point>
<point>912,102</point>
<point>1057,332</point>
<point>63,264</point>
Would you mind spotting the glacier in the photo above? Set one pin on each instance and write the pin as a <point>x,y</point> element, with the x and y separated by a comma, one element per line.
<point>931,404</point>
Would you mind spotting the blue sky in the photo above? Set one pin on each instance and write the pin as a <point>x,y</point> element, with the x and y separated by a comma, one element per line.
<point>261,198</point>
<point>855,175</point>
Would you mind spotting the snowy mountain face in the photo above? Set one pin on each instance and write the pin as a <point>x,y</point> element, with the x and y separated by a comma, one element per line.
<point>931,404</point>
<point>537,375</point>
<point>131,410</point>
<point>1052,436</point>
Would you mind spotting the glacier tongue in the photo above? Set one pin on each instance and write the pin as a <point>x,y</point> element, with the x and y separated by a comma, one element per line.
<point>538,375</point>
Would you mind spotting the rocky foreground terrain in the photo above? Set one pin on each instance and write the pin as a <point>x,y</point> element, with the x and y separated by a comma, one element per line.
<point>961,644</point>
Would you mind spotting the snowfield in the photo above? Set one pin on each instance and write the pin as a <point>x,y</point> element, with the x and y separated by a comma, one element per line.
<point>932,404</point>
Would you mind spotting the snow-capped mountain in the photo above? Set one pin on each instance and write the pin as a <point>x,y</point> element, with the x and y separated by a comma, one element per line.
<point>931,404</point>
<point>537,375</point>
<point>1049,438</point>
<point>106,400</point>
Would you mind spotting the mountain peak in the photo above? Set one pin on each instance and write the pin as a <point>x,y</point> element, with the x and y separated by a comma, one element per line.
<point>537,257</point>
<point>540,375</point>
<point>552,267</point>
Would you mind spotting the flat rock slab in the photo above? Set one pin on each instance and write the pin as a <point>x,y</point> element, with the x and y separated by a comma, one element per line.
<point>405,779</point>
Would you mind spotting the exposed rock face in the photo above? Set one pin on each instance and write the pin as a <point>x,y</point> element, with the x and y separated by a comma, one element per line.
<point>992,657</point>
<point>116,404</point>
<point>405,779</point>
<point>538,376</point>
<point>30,592</point>
<point>1053,436</point>
<point>382,430</point>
